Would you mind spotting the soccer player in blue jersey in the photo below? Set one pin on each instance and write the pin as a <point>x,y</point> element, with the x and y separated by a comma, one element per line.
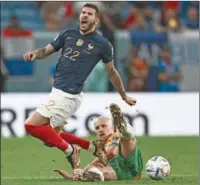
<point>82,49</point>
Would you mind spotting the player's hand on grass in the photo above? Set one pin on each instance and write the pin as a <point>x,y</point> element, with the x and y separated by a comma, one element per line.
<point>77,177</point>
<point>63,173</point>
<point>129,100</point>
<point>29,56</point>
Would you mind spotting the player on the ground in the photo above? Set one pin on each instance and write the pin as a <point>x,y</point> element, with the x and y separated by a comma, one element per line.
<point>82,49</point>
<point>125,159</point>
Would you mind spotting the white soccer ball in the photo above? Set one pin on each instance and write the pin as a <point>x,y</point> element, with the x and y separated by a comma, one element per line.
<point>157,168</point>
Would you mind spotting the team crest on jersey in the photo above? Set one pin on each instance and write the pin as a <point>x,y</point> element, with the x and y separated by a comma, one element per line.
<point>90,46</point>
<point>79,42</point>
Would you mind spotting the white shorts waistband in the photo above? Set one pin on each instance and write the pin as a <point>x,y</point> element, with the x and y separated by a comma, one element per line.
<point>65,94</point>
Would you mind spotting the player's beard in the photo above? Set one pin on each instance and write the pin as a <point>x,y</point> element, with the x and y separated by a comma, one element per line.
<point>89,27</point>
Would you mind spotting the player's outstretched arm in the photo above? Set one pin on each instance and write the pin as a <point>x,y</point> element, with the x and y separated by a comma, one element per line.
<point>117,82</point>
<point>39,53</point>
<point>63,173</point>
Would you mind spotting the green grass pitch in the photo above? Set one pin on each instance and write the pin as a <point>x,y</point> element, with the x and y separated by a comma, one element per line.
<point>25,161</point>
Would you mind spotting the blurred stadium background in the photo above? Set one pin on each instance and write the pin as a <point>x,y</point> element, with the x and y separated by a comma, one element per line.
<point>156,53</point>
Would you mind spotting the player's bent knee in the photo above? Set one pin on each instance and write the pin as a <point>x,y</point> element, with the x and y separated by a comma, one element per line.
<point>58,129</point>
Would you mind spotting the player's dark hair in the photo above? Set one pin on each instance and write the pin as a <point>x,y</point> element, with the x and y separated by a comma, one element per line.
<point>93,7</point>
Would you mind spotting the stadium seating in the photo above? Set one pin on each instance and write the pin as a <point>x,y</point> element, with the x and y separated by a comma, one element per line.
<point>26,12</point>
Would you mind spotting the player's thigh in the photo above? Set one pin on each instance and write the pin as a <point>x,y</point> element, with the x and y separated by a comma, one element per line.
<point>72,104</point>
<point>37,119</point>
<point>132,164</point>
<point>62,111</point>
<point>59,107</point>
<point>127,147</point>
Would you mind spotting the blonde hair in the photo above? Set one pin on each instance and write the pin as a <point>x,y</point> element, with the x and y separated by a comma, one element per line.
<point>95,120</point>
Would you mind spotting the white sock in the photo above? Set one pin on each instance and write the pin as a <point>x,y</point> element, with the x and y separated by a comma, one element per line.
<point>69,150</point>
<point>91,147</point>
<point>129,133</point>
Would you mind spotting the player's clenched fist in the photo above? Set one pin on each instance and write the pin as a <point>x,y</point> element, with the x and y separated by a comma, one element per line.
<point>29,56</point>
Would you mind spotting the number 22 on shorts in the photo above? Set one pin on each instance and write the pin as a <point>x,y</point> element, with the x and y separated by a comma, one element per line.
<point>49,104</point>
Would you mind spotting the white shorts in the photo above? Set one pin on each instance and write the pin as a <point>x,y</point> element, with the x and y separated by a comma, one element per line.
<point>59,106</point>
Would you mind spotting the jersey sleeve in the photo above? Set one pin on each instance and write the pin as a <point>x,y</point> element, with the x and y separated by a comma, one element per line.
<point>108,53</point>
<point>58,42</point>
<point>114,138</point>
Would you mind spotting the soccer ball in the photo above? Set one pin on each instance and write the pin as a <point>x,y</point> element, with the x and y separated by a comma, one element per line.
<point>157,168</point>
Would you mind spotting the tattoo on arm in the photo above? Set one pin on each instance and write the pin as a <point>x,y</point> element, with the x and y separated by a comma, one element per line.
<point>44,52</point>
<point>40,53</point>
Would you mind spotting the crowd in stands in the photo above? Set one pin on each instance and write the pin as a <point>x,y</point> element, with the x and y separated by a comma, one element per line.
<point>131,15</point>
<point>20,18</point>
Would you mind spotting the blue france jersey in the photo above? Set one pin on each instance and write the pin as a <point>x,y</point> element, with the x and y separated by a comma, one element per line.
<point>80,54</point>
